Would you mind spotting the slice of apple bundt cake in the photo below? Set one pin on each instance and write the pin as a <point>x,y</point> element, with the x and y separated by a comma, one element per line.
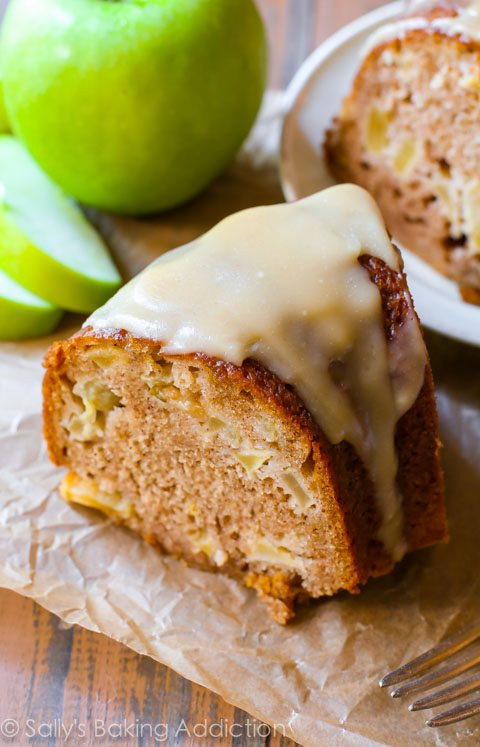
<point>260,402</point>
<point>409,133</point>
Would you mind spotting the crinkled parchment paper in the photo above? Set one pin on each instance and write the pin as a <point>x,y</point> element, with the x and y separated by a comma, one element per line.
<point>317,677</point>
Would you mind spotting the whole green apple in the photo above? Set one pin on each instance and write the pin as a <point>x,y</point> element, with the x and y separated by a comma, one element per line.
<point>133,105</point>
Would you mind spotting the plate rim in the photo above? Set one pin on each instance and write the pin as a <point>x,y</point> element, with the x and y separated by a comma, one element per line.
<point>325,48</point>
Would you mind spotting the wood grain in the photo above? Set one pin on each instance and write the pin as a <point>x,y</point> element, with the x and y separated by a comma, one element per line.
<point>52,675</point>
<point>295,27</point>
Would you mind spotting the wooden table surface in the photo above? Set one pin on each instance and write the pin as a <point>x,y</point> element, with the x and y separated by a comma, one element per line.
<point>51,675</point>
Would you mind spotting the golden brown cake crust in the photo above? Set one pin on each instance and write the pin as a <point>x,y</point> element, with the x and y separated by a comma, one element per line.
<point>421,210</point>
<point>347,513</point>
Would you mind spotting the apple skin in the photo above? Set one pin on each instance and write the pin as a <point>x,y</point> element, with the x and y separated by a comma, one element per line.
<point>130,106</point>
<point>22,314</point>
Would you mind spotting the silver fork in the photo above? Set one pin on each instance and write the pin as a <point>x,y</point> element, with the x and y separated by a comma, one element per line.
<point>420,678</point>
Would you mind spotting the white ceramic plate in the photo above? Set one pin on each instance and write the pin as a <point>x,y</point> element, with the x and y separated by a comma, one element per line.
<point>313,99</point>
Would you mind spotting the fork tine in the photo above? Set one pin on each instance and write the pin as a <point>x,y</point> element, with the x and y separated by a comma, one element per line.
<point>459,713</point>
<point>433,656</point>
<point>465,687</point>
<point>447,672</point>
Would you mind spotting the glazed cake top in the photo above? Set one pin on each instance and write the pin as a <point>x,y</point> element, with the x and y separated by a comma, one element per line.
<point>283,285</point>
<point>466,23</point>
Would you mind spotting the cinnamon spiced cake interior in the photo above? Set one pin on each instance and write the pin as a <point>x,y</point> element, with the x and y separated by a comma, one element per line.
<point>409,132</point>
<point>260,403</point>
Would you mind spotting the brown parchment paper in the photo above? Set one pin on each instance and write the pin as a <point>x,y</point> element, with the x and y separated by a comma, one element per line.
<point>316,678</point>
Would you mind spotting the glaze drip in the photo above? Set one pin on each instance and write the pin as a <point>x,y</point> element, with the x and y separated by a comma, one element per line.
<point>283,285</point>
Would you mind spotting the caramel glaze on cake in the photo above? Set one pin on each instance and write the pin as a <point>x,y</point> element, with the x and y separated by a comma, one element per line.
<point>222,464</point>
<point>409,133</point>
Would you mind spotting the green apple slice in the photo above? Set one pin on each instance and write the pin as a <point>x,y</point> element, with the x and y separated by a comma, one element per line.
<point>22,314</point>
<point>46,243</point>
<point>4,123</point>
